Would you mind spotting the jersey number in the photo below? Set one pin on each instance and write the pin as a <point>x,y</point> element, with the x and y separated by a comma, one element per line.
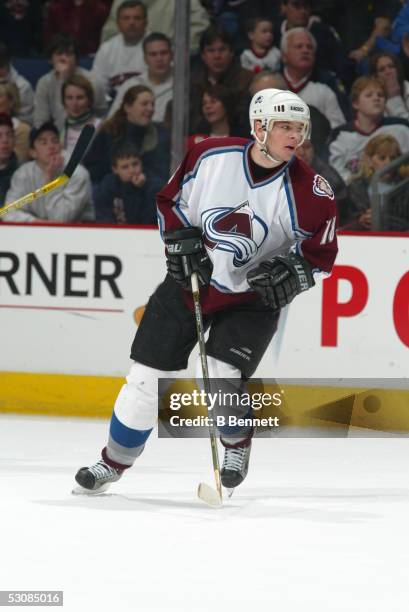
<point>329,232</point>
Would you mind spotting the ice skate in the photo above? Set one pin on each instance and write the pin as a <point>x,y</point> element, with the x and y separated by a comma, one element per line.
<point>235,463</point>
<point>96,479</point>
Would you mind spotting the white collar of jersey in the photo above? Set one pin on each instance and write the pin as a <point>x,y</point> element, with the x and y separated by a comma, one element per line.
<point>247,170</point>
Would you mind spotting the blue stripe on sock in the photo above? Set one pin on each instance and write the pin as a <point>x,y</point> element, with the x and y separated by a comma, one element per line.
<point>125,436</point>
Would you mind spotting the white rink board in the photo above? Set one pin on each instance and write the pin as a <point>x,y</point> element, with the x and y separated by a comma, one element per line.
<point>73,341</point>
<point>91,335</point>
<point>368,344</point>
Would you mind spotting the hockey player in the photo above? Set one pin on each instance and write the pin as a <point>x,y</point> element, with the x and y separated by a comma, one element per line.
<point>257,225</point>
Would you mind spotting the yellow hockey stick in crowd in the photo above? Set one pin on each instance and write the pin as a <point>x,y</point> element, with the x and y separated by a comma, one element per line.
<point>78,153</point>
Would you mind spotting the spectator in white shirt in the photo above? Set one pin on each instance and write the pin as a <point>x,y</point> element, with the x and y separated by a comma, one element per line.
<point>70,203</point>
<point>298,47</point>
<point>158,77</point>
<point>161,18</point>
<point>121,57</point>
<point>261,54</point>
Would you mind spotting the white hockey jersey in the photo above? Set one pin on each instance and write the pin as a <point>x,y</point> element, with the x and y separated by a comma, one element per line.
<point>245,221</point>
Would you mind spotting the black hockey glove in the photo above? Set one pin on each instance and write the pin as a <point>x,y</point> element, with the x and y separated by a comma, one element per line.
<point>186,253</point>
<point>279,280</point>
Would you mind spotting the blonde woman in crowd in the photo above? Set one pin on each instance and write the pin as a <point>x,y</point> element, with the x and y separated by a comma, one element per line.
<point>379,151</point>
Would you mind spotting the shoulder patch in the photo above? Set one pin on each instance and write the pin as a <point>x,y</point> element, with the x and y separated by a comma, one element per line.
<point>322,188</point>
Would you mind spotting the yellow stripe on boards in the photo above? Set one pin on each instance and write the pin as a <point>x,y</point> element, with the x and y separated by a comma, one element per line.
<point>58,394</point>
<point>303,406</point>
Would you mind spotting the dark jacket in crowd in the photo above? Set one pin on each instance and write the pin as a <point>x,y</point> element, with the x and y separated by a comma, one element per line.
<point>320,131</point>
<point>358,194</point>
<point>83,22</point>
<point>119,202</point>
<point>336,84</point>
<point>152,144</point>
<point>236,78</point>
<point>21,31</point>
<point>5,177</point>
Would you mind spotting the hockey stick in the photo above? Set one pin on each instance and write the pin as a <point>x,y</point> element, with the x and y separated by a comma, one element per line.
<point>206,493</point>
<point>76,157</point>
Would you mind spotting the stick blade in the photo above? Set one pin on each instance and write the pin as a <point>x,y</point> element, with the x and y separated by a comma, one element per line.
<point>209,495</point>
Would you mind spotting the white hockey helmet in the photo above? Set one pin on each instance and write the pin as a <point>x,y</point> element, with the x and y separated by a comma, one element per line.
<point>269,105</point>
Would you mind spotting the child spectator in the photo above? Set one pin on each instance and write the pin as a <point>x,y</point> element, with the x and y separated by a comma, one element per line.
<point>78,102</point>
<point>218,115</point>
<point>125,195</point>
<point>71,203</point>
<point>388,68</point>
<point>131,123</point>
<point>379,151</point>
<point>348,141</point>
<point>8,159</point>
<point>10,105</point>
<point>48,106</point>
<point>261,55</point>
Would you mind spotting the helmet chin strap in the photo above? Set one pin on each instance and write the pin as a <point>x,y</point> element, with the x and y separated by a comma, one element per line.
<point>263,148</point>
<point>262,144</point>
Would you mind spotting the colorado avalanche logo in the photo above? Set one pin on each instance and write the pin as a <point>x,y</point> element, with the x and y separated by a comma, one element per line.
<point>322,188</point>
<point>236,230</point>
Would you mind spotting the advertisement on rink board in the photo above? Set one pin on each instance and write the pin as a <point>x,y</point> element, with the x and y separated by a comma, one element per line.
<point>71,299</point>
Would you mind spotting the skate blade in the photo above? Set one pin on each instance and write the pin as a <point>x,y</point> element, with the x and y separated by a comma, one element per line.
<point>209,495</point>
<point>78,490</point>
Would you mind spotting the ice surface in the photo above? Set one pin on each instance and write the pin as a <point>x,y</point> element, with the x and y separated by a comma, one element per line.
<point>319,525</point>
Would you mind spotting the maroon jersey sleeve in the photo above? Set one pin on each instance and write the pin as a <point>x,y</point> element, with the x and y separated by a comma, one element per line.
<point>315,216</point>
<point>168,199</point>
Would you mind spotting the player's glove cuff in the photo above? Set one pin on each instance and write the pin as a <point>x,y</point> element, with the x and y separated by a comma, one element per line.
<point>280,279</point>
<point>185,254</point>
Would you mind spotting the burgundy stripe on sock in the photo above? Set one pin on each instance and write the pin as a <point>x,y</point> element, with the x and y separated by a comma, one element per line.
<point>241,441</point>
<point>113,464</point>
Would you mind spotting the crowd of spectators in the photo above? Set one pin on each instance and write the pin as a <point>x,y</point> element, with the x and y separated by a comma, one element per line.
<point>110,63</point>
